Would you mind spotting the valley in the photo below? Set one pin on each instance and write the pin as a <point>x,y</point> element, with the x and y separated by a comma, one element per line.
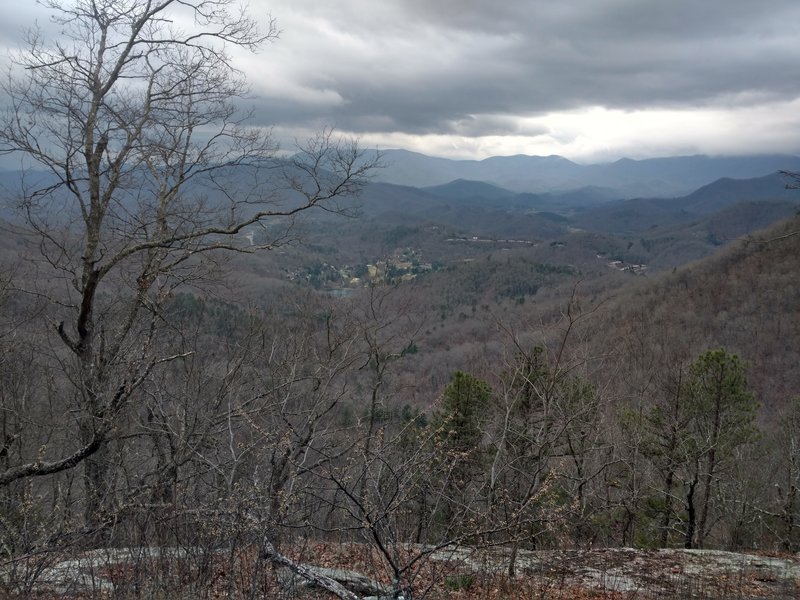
<point>496,300</point>
<point>503,365</point>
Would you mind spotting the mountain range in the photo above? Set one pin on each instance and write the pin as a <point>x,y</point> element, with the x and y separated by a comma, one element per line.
<point>589,207</point>
<point>625,178</point>
<point>726,198</point>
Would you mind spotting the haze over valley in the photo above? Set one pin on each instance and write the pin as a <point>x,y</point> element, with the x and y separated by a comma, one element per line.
<point>382,301</point>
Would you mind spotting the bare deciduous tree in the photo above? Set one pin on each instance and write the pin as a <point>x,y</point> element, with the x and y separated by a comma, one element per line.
<point>148,166</point>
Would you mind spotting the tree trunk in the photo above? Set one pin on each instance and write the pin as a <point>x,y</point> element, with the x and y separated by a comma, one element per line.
<point>789,520</point>
<point>97,475</point>
<point>512,560</point>
<point>667,516</point>
<point>691,511</point>
<point>99,495</point>
<point>708,480</point>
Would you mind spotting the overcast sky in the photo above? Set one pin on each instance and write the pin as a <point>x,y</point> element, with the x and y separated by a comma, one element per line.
<point>592,80</point>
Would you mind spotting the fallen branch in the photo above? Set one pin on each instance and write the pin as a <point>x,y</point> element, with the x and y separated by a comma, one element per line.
<point>340,582</point>
<point>307,572</point>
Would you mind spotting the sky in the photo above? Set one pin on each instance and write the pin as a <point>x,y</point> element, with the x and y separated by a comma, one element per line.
<point>591,80</point>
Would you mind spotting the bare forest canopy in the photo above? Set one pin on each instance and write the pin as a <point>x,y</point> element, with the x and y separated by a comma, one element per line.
<point>222,369</point>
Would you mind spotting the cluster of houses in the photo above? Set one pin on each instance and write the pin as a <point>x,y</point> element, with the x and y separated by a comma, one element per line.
<point>623,266</point>
<point>402,265</point>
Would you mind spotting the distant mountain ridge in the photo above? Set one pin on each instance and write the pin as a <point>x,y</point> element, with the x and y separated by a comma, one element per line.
<point>627,178</point>
<point>660,232</point>
<point>726,191</point>
<point>586,203</point>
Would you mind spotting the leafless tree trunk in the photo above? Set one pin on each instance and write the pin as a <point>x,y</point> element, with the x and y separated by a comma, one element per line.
<point>147,168</point>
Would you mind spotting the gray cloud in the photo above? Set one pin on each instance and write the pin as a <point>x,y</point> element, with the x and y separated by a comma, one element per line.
<point>473,68</point>
<point>424,65</point>
<point>18,18</point>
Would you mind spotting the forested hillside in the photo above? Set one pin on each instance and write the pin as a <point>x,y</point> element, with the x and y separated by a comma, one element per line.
<point>744,299</point>
<point>231,371</point>
<point>392,388</point>
<point>498,401</point>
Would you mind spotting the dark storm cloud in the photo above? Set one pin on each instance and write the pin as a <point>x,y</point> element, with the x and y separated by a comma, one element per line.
<point>473,68</point>
<point>424,66</point>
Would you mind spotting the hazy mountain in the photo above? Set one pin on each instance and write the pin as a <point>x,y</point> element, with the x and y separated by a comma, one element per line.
<point>395,202</point>
<point>469,208</point>
<point>464,188</point>
<point>627,178</point>
<point>659,232</point>
<point>468,192</point>
<point>478,207</point>
<point>687,173</point>
<point>726,191</point>
<point>647,214</point>
<point>518,173</point>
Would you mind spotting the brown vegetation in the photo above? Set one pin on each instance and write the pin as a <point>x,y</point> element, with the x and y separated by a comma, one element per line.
<point>174,422</point>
